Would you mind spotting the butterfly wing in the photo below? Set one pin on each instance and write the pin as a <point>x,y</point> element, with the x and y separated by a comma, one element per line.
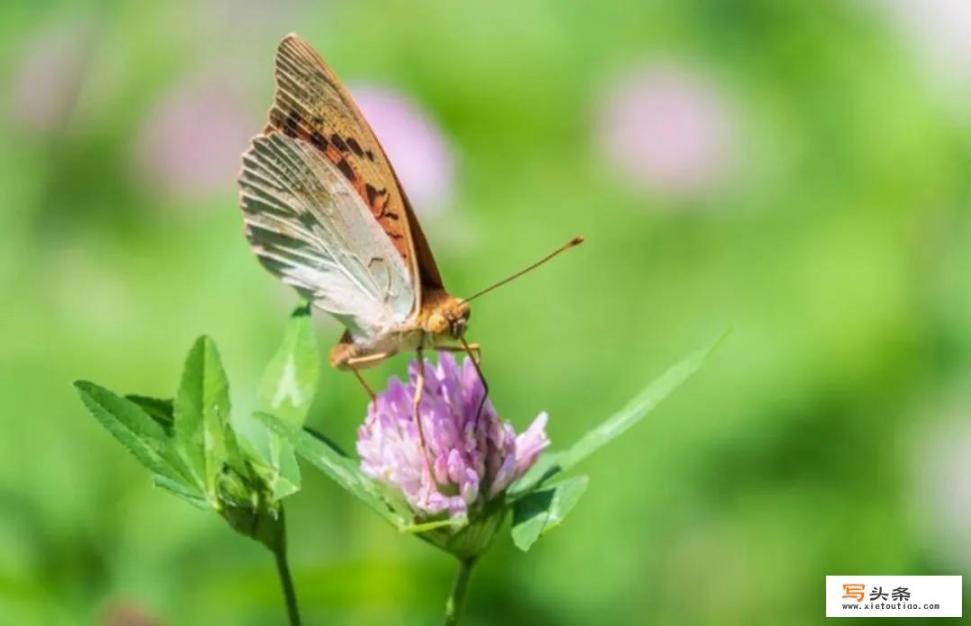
<point>308,225</point>
<point>313,106</point>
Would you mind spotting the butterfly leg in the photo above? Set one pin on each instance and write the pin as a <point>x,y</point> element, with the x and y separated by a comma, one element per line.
<point>478,370</point>
<point>356,363</point>
<point>360,379</point>
<point>419,391</point>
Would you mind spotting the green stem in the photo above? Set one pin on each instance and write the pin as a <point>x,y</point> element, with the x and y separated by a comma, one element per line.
<point>456,599</point>
<point>283,570</point>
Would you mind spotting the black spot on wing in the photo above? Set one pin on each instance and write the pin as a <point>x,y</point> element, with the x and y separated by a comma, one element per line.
<point>355,147</point>
<point>318,141</point>
<point>373,194</point>
<point>346,169</point>
<point>338,142</point>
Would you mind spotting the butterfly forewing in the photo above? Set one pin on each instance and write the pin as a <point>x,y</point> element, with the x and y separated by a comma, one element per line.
<point>311,104</point>
<point>325,212</point>
<point>309,226</point>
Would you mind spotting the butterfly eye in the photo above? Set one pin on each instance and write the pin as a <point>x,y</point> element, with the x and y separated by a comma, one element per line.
<point>457,327</point>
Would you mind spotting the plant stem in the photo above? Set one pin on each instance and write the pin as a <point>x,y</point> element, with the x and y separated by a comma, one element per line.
<point>283,570</point>
<point>456,599</point>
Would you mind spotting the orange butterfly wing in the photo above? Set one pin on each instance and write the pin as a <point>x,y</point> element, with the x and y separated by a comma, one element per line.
<point>311,104</point>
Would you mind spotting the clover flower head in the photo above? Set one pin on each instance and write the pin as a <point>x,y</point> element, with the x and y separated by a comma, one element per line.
<point>461,457</point>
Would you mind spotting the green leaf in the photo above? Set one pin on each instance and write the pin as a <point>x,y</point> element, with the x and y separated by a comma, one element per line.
<point>325,439</point>
<point>556,462</point>
<point>202,415</point>
<point>160,410</point>
<point>342,470</point>
<point>287,391</point>
<point>544,509</point>
<point>135,429</point>
<point>290,380</point>
<point>254,440</point>
<point>287,479</point>
<point>184,490</point>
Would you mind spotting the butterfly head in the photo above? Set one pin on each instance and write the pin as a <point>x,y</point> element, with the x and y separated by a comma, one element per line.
<point>449,318</point>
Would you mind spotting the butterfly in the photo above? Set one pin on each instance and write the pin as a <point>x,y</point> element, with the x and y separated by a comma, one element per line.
<point>325,212</point>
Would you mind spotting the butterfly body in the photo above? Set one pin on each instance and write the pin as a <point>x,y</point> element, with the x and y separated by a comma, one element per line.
<point>324,211</point>
<point>437,326</point>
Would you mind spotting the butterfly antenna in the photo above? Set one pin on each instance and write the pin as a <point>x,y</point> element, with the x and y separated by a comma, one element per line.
<point>576,241</point>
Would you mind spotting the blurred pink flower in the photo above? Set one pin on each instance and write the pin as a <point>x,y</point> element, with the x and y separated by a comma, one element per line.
<point>941,31</point>
<point>666,129</point>
<point>415,145</point>
<point>47,77</point>
<point>189,145</point>
<point>126,613</point>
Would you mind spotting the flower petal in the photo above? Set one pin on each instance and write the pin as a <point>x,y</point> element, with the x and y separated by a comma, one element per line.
<point>464,449</point>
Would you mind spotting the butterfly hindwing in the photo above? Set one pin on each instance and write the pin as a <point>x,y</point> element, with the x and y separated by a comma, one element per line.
<point>309,226</point>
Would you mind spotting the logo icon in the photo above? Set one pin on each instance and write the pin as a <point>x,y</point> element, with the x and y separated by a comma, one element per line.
<point>893,596</point>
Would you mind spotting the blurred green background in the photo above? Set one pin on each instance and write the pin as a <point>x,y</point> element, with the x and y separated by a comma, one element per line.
<point>796,169</point>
